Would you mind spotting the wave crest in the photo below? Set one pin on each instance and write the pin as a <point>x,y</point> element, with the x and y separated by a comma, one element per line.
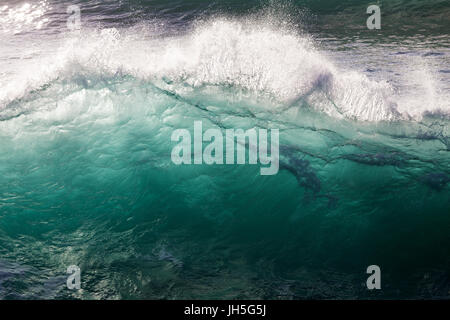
<point>263,60</point>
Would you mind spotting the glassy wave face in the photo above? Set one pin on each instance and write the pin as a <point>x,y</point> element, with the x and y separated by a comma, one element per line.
<point>86,118</point>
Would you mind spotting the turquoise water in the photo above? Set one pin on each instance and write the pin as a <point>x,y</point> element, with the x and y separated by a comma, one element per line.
<point>87,179</point>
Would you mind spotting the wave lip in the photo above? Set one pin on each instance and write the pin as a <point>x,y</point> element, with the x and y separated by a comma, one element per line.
<point>260,59</point>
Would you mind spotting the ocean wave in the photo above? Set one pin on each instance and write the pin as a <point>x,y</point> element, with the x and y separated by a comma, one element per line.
<point>251,58</point>
<point>86,121</point>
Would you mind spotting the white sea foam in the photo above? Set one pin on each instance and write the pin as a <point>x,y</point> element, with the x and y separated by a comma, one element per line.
<point>263,59</point>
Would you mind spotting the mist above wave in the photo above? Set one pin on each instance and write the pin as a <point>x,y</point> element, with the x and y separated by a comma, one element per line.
<point>256,58</point>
